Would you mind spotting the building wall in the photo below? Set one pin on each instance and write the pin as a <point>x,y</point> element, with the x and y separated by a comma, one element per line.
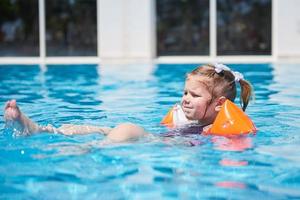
<point>288,28</point>
<point>126,29</point>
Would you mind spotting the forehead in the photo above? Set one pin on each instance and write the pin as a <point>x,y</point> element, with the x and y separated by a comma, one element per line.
<point>197,83</point>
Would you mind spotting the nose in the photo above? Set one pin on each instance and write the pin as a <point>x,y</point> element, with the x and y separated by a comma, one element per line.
<point>185,99</point>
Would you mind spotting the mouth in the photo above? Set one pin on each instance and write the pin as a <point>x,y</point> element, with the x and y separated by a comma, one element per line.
<point>186,109</point>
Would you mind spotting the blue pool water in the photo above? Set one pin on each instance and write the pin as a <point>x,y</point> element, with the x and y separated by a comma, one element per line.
<point>49,166</point>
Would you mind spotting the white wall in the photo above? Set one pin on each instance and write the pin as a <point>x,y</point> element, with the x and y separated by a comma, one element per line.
<point>127,29</point>
<point>288,28</point>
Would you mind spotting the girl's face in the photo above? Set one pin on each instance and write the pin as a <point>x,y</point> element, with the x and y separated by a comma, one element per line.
<point>197,103</point>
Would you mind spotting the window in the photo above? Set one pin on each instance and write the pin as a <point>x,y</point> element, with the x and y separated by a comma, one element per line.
<point>182,27</point>
<point>19,28</point>
<point>71,28</point>
<point>244,27</point>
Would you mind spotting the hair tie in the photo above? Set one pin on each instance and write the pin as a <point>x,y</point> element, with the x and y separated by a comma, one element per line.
<point>238,76</point>
<point>220,67</point>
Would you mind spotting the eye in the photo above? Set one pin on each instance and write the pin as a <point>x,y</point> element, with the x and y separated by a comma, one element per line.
<point>185,93</point>
<point>196,95</point>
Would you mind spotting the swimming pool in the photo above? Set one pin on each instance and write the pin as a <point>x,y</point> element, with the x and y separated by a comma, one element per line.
<point>49,166</point>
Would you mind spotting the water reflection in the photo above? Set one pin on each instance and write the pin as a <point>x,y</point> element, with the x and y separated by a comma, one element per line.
<point>231,184</point>
<point>233,162</point>
<point>76,84</point>
<point>236,143</point>
<point>232,144</point>
<point>128,92</point>
<point>25,89</point>
<point>286,77</point>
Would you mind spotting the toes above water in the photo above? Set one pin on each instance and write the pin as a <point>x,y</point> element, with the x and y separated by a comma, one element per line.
<point>12,111</point>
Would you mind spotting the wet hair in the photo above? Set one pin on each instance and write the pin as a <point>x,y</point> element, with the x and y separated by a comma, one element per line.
<point>223,84</point>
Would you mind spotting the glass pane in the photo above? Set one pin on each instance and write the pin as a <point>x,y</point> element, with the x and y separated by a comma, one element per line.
<point>182,27</point>
<point>71,28</point>
<point>19,28</point>
<point>244,27</point>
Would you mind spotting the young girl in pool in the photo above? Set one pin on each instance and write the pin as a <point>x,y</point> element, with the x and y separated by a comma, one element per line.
<point>206,89</point>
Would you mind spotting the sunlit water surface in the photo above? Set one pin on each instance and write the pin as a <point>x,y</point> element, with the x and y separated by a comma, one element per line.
<point>50,166</point>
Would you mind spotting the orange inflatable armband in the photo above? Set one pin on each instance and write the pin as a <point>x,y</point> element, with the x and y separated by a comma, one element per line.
<point>231,120</point>
<point>168,119</point>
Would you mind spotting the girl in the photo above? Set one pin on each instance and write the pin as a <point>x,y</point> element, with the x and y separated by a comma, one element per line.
<point>206,89</point>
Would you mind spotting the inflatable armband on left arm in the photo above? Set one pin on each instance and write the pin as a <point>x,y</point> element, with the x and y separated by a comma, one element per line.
<point>231,120</point>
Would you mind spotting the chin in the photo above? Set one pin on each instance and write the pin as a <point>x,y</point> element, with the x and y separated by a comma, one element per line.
<point>190,117</point>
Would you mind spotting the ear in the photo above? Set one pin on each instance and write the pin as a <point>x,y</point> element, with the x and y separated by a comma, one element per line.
<point>219,103</point>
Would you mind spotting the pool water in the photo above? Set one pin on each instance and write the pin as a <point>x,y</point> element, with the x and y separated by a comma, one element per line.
<point>53,166</point>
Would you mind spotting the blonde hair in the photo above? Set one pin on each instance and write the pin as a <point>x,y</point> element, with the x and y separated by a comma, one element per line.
<point>224,84</point>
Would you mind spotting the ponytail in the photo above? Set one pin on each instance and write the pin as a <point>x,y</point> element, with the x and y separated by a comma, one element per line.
<point>246,93</point>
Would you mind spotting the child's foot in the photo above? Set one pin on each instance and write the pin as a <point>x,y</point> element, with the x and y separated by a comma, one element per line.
<point>15,118</point>
<point>12,111</point>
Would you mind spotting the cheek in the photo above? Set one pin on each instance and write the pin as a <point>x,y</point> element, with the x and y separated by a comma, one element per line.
<point>200,107</point>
